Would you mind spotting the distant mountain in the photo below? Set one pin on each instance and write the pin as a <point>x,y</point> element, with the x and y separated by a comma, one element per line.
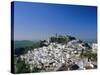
<point>23,43</point>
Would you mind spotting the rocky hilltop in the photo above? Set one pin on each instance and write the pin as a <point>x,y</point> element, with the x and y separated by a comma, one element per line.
<point>59,54</point>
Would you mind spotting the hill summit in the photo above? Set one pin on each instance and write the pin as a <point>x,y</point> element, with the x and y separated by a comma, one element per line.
<point>58,53</point>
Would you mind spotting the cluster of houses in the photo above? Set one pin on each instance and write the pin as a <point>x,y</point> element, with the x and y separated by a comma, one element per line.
<point>94,47</point>
<point>59,57</point>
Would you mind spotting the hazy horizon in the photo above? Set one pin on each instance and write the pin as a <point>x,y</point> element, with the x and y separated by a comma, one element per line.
<point>37,21</point>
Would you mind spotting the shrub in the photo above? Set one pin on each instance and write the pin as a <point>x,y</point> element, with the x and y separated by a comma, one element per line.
<point>21,67</point>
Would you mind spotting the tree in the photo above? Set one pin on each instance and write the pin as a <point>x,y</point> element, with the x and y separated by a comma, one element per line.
<point>87,45</point>
<point>42,43</point>
<point>71,38</point>
<point>53,39</point>
<point>19,51</point>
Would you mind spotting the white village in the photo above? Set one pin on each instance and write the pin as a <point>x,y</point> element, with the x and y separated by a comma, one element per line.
<point>54,56</point>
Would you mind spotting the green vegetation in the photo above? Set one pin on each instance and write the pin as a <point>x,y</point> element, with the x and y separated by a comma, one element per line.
<point>25,46</point>
<point>61,38</point>
<point>42,43</point>
<point>89,55</point>
<point>87,45</point>
<point>35,69</point>
<point>21,67</point>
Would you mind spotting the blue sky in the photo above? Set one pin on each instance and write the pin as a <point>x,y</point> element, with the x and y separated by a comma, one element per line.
<point>35,21</point>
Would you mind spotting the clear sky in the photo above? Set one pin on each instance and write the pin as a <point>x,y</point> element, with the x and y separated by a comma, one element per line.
<point>35,21</point>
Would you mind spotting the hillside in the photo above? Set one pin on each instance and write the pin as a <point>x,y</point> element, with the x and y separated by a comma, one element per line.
<point>23,43</point>
<point>59,53</point>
